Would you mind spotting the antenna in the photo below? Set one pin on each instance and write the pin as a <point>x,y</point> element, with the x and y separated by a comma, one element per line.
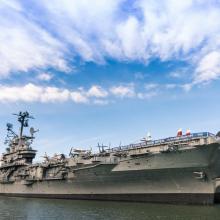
<point>23,118</point>
<point>120,145</point>
<point>10,133</point>
<point>71,152</point>
<point>99,148</point>
<point>32,131</point>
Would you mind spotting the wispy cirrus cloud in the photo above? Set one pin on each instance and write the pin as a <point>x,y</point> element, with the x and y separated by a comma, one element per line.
<point>24,45</point>
<point>208,68</point>
<point>101,29</point>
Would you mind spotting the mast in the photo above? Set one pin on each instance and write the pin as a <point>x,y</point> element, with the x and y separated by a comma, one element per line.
<point>23,118</point>
<point>19,150</point>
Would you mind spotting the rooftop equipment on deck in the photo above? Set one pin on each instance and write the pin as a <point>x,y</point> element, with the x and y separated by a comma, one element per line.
<point>179,132</point>
<point>188,132</point>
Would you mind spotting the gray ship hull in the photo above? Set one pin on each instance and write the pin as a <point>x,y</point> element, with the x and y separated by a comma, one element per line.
<point>167,177</point>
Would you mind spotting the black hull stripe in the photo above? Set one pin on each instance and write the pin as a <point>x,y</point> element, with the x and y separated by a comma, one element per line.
<point>172,198</point>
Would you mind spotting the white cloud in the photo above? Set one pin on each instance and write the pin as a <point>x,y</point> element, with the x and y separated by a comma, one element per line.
<point>11,4</point>
<point>97,91</point>
<point>208,68</point>
<point>32,93</point>
<point>45,76</point>
<point>24,45</point>
<point>79,97</point>
<point>123,91</point>
<point>51,94</point>
<point>95,30</point>
<point>35,93</point>
<point>85,24</point>
<point>132,41</point>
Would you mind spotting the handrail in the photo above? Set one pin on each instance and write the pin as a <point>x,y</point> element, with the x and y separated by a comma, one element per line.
<point>163,141</point>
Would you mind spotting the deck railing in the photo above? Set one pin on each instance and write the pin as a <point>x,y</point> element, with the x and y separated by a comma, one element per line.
<point>163,141</point>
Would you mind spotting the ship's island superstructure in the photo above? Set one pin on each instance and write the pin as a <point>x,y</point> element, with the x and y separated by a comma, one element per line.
<point>182,169</point>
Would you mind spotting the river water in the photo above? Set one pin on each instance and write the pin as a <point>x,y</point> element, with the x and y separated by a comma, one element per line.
<point>36,209</point>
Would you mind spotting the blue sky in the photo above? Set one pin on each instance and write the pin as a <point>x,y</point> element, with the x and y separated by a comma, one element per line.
<point>109,71</point>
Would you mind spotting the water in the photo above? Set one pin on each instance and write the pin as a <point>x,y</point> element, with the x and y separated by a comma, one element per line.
<point>36,209</point>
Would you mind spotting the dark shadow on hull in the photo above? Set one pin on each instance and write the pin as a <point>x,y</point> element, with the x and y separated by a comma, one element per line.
<point>171,198</point>
<point>217,197</point>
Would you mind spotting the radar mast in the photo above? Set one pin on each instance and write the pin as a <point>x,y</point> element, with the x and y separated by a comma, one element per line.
<point>23,118</point>
<point>19,150</point>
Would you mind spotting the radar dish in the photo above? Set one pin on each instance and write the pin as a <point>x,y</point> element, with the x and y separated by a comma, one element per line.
<point>32,131</point>
<point>9,126</point>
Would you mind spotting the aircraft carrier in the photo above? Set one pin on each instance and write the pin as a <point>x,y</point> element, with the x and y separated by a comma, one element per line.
<point>182,169</point>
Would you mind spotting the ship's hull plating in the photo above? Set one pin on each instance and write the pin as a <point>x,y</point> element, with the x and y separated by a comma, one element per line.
<point>168,177</point>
